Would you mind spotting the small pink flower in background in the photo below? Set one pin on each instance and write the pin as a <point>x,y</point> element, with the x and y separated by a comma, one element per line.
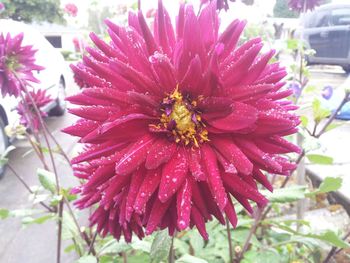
<point>16,60</point>
<point>177,124</point>
<point>220,4</point>
<point>2,7</point>
<point>303,5</point>
<point>71,9</point>
<point>79,44</point>
<point>27,111</point>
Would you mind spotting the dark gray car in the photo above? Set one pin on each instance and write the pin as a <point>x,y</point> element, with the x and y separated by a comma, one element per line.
<point>327,31</point>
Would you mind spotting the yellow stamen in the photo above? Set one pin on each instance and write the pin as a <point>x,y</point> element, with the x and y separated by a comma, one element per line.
<point>186,130</point>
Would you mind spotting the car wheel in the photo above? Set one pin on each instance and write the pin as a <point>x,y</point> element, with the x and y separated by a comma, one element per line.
<point>60,107</point>
<point>4,143</point>
<point>346,69</point>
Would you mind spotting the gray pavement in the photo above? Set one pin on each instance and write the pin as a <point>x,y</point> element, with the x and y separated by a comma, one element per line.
<point>35,243</point>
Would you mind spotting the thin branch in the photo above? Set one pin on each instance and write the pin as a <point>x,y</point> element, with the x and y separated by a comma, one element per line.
<point>229,239</point>
<point>334,114</point>
<point>59,231</point>
<point>258,215</point>
<point>171,258</point>
<point>91,248</point>
<point>28,188</point>
<point>334,250</point>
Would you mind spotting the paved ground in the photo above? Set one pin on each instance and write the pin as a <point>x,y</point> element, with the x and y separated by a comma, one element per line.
<point>37,244</point>
<point>335,143</point>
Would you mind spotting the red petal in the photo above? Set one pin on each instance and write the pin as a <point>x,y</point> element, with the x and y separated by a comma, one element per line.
<point>242,116</point>
<point>173,175</point>
<point>183,205</point>
<point>147,188</point>
<point>135,184</point>
<point>198,200</point>
<point>233,154</point>
<point>214,179</point>
<point>195,165</point>
<point>134,156</point>
<point>254,153</point>
<point>160,152</point>
<point>231,213</point>
<point>199,222</point>
<point>158,211</point>
<point>237,184</point>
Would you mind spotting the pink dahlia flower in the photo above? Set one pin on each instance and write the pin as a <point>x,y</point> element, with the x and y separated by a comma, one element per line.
<point>178,124</point>
<point>26,110</point>
<point>71,9</point>
<point>17,63</point>
<point>2,7</point>
<point>303,5</point>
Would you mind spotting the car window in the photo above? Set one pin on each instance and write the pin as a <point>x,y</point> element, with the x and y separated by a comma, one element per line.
<point>319,19</point>
<point>341,16</point>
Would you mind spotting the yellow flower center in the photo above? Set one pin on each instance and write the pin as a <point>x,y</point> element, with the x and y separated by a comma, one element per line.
<point>182,120</point>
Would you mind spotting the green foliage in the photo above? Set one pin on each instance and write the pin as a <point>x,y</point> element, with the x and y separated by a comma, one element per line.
<point>319,159</point>
<point>47,180</point>
<point>160,246</point>
<point>33,11</point>
<point>281,9</point>
<point>319,112</point>
<point>329,184</point>
<point>285,195</point>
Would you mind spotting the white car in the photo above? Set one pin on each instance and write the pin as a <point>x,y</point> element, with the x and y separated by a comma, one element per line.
<point>52,78</point>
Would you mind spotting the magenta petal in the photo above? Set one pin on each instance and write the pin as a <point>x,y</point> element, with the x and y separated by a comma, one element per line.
<point>147,188</point>
<point>183,204</point>
<point>173,175</point>
<point>160,152</point>
<point>158,211</point>
<point>242,116</point>
<point>199,201</point>
<point>134,156</point>
<point>254,153</point>
<point>231,213</point>
<point>135,184</point>
<point>237,184</point>
<point>233,154</point>
<point>214,178</point>
<point>195,165</point>
<point>199,222</point>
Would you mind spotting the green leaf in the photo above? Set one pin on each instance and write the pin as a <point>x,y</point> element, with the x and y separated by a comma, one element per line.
<point>319,112</point>
<point>328,236</point>
<point>190,259</point>
<point>69,248</point>
<point>38,220</point>
<point>114,246</point>
<point>304,121</point>
<point>329,184</point>
<point>292,44</point>
<point>142,245</point>
<point>47,180</point>
<point>286,195</point>
<point>87,259</point>
<point>3,158</point>
<point>263,256</point>
<point>160,246</point>
<point>4,213</point>
<point>320,159</point>
<point>331,238</point>
<point>196,242</point>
